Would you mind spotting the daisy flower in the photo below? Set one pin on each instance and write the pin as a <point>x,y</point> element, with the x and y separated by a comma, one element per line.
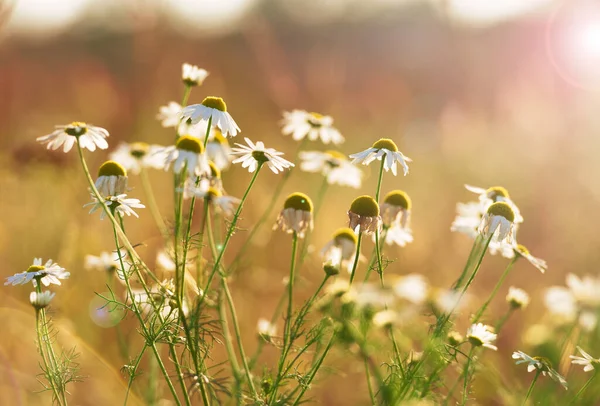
<point>480,335</point>
<point>341,249</point>
<point>296,216</point>
<point>498,222</point>
<point>187,153</point>
<point>517,298</point>
<point>192,75</point>
<point>540,364</point>
<point>49,273</point>
<point>106,261</point>
<point>386,318</point>
<point>169,115</point>
<point>523,252</point>
<point>396,208</point>
<point>454,338</point>
<point>397,235</point>
<point>300,124</point>
<point>117,204</point>
<point>468,218</point>
<point>112,179</point>
<point>214,197</point>
<point>133,157</point>
<point>364,215</point>
<point>212,109</point>
<point>218,150</point>
<point>88,136</point>
<point>589,363</point>
<point>254,154</point>
<point>266,330</point>
<point>495,194</point>
<point>41,299</point>
<point>383,149</point>
<point>333,165</point>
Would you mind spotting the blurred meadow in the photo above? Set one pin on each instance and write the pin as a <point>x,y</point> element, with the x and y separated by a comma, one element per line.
<point>475,92</point>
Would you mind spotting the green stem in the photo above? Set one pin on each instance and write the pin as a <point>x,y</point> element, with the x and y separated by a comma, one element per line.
<point>369,384</point>
<point>318,204</point>
<point>132,374</point>
<point>466,376</point>
<point>208,127</point>
<point>288,319</point>
<point>48,370</point>
<point>468,263</point>
<point>503,320</point>
<point>313,373</point>
<point>535,378</point>
<point>496,288</point>
<point>374,254</point>
<point>356,257</point>
<point>583,388</point>
<point>230,232</point>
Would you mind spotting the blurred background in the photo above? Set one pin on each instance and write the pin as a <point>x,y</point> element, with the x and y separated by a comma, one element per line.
<point>479,92</point>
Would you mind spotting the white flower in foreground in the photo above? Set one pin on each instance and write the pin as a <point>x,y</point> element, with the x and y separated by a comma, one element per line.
<point>523,252</point>
<point>517,298</point>
<point>266,329</point>
<point>254,154</point>
<point>296,216</point>
<point>49,273</point>
<point>341,249</point>
<point>333,165</point>
<point>300,124</point>
<point>214,197</point>
<point>138,155</point>
<point>187,153</point>
<point>41,300</point>
<point>480,335</point>
<point>169,115</point>
<point>212,109</point>
<point>589,363</point>
<point>496,194</point>
<point>412,287</point>
<point>540,364</point>
<point>112,179</point>
<point>498,222</point>
<point>106,261</point>
<point>88,136</point>
<point>119,204</point>
<point>192,75</point>
<point>364,215</point>
<point>383,149</point>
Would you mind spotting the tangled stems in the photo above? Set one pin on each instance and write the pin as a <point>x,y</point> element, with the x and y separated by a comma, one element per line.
<point>466,376</point>
<point>496,288</point>
<point>314,370</point>
<point>356,256</point>
<point>535,378</point>
<point>230,232</point>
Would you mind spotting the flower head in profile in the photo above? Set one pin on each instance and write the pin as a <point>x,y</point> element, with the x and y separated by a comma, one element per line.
<point>395,214</point>
<point>540,364</point>
<point>218,150</point>
<point>480,335</point>
<point>296,216</point>
<point>41,300</point>
<point>46,274</point>
<point>214,197</point>
<point>301,124</point>
<point>589,363</point>
<point>192,75</point>
<point>364,215</point>
<point>340,251</point>
<point>383,149</point>
<point>523,252</point>
<point>214,110</point>
<point>169,115</point>
<point>333,165</point>
<point>188,153</point>
<point>112,179</point>
<point>256,154</point>
<point>119,205</point>
<point>498,222</point>
<point>88,137</point>
<point>454,338</point>
<point>517,298</point>
<point>138,155</point>
<point>495,194</point>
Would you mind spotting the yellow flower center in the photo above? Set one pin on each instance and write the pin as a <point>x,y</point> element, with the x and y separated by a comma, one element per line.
<point>475,341</point>
<point>260,156</point>
<point>76,128</point>
<point>138,149</point>
<point>111,168</point>
<point>345,233</point>
<point>521,250</point>
<point>212,193</point>
<point>398,198</point>
<point>502,209</point>
<point>386,143</point>
<point>189,143</point>
<point>36,268</point>
<point>314,119</point>
<point>214,171</point>
<point>218,137</point>
<point>497,191</point>
<point>215,103</point>
<point>365,206</point>
<point>298,201</point>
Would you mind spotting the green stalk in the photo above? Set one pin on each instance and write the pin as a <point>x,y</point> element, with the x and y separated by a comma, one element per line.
<point>356,257</point>
<point>313,373</point>
<point>535,378</point>
<point>466,376</point>
<point>496,288</point>
<point>49,372</point>
<point>132,374</point>
<point>583,388</point>
<point>288,319</point>
<point>503,320</point>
